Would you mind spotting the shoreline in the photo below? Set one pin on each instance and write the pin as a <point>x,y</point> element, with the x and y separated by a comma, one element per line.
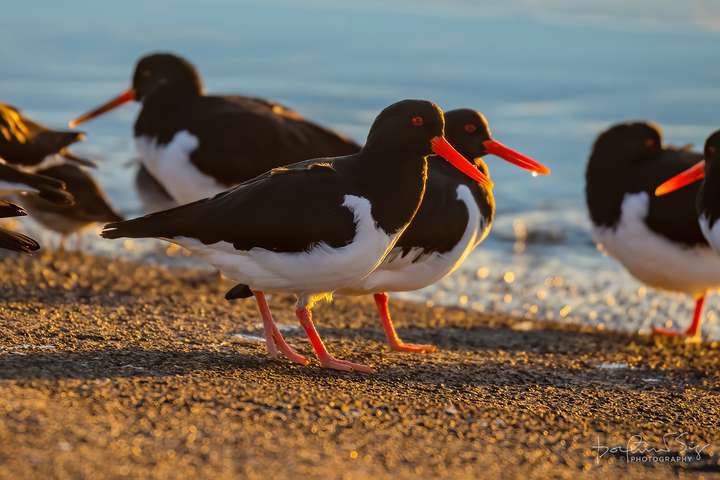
<point>110,368</point>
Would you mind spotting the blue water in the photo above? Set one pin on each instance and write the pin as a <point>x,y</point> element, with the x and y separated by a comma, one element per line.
<point>548,76</point>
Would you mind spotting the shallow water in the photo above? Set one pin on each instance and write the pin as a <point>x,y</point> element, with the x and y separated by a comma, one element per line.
<point>548,75</point>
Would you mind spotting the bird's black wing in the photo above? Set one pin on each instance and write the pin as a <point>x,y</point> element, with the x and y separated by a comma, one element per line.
<point>240,138</point>
<point>91,203</point>
<point>8,209</point>
<point>17,242</point>
<point>286,210</point>
<point>26,142</point>
<point>50,189</point>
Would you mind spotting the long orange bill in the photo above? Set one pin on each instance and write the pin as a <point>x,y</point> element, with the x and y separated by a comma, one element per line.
<point>516,158</point>
<point>440,146</point>
<point>682,179</point>
<point>126,96</point>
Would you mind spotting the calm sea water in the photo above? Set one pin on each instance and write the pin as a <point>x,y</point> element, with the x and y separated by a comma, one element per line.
<point>548,75</point>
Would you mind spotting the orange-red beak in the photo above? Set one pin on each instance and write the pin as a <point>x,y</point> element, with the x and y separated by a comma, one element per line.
<point>682,179</point>
<point>440,146</point>
<point>516,158</point>
<point>126,96</point>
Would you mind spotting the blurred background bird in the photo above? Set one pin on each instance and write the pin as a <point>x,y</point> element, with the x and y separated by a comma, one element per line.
<point>196,145</point>
<point>91,204</point>
<point>31,145</point>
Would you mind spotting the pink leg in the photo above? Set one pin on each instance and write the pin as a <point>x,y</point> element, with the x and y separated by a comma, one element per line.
<point>381,300</point>
<point>693,331</point>
<point>273,338</point>
<point>326,360</point>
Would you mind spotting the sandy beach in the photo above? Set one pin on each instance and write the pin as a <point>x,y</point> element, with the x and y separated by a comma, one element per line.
<point>112,369</point>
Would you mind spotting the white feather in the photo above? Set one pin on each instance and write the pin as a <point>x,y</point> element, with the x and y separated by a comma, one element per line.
<point>314,273</point>
<point>399,273</point>
<point>653,259</point>
<point>170,164</point>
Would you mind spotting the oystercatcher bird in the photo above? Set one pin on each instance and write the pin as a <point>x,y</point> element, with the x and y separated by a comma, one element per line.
<point>91,204</point>
<point>316,226</point>
<point>657,239</point>
<point>707,207</point>
<point>28,144</point>
<point>14,180</point>
<point>198,145</point>
<point>454,218</point>
<point>14,241</point>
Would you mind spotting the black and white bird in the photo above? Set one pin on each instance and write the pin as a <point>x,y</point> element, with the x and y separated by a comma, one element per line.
<point>657,239</point>
<point>455,217</point>
<point>316,226</point>
<point>91,203</point>
<point>708,196</point>
<point>197,145</point>
<point>30,145</point>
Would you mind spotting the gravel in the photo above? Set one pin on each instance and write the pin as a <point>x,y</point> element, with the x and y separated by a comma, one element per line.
<point>112,369</point>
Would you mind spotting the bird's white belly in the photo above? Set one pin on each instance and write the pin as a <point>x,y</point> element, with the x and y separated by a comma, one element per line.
<point>322,269</point>
<point>398,273</point>
<point>654,260</point>
<point>712,235</point>
<point>170,164</point>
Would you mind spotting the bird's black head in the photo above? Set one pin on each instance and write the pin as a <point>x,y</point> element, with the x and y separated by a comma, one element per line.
<point>162,77</point>
<point>712,148</point>
<point>165,75</point>
<point>414,128</point>
<point>408,125</point>
<point>467,130</point>
<point>628,142</point>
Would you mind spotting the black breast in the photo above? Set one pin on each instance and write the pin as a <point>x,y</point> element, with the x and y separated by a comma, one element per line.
<point>442,218</point>
<point>671,216</point>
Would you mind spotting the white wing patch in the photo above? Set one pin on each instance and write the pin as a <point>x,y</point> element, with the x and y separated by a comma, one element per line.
<point>320,270</point>
<point>170,164</point>
<point>653,259</point>
<point>416,270</point>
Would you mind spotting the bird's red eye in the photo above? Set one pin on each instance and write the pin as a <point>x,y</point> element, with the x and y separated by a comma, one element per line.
<point>470,127</point>
<point>417,121</point>
<point>711,151</point>
<point>649,142</point>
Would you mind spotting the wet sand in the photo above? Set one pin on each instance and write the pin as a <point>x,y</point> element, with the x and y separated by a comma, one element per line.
<point>110,369</point>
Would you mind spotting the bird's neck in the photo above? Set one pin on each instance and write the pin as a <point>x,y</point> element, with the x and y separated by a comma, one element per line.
<point>394,185</point>
<point>160,117</point>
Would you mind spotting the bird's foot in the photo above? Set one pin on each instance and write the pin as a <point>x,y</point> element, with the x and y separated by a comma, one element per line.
<point>333,363</point>
<point>270,344</point>
<point>287,350</point>
<point>687,336</point>
<point>400,346</point>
